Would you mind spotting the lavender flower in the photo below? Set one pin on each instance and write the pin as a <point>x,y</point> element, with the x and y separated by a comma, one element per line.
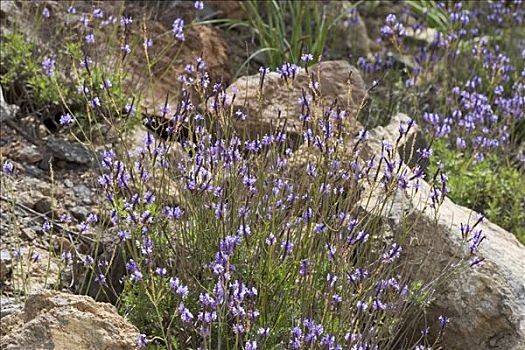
<point>142,341</point>
<point>178,29</point>
<point>46,13</point>
<point>90,38</point>
<point>199,5</point>
<point>8,167</point>
<point>66,120</point>
<point>48,65</point>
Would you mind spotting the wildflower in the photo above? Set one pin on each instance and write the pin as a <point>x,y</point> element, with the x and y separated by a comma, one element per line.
<point>48,65</point>
<point>304,267</point>
<point>90,38</point>
<point>66,120</point>
<point>178,29</point>
<point>185,314</point>
<point>8,167</point>
<point>100,279</point>
<point>36,257</point>
<point>45,12</point>
<point>307,57</point>
<point>142,341</point>
<point>92,218</point>
<point>124,21</point>
<point>263,332</point>
<point>443,321</point>
<point>251,345</point>
<point>126,49</point>
<point>67,257</point>
<point>361,305</point>
<point>46,227</point>
<point>287,246</point>
<point>393,253</point>
<point>199,5</point>
<point>270,240</point>
<point>71,10</point>
<point>240,115</point>
<point>95,102</point>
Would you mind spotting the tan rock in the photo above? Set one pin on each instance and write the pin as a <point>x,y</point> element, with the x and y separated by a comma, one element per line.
<point>56,320</point>
<point>277,104</point>
<point>486,305</point>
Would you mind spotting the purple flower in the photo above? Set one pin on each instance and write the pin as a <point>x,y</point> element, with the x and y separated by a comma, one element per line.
<point>263,332</point>
<point>185,314</point>
<point>307,57</point>
<point>142,341</point>
<point>178,29</point>
<point>251,345</point>
<point>126,20</point>
<point>8,167</point>
<point>45,12</point>
<point>46,227</point>
<point>304,267</point>
<point>361,305</point>
<point>36,257</point>
<point>393,253</point>
<point>100,279</point>
<point>199,5</point>
<point>67,257</point>
<point>90,38</point>
<point>287,246</point>
<point>126,49</point>
<point>443,321</point>
<point>48,65</point>
<point>66,120</point>
<point>95,102</point>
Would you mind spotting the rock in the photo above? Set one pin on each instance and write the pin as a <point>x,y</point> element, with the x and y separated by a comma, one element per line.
<point>28,233</point>
<point>36,274</point>
<point>110,263</point>
<point>26,153</point>
<point>5,265</point>
<point>227,9</point>
<point>486,305</point>
<point>353,30</point>
<point>338,80</point>
<point>61,149</point>
<point>56,320</point>
<point>201,41</point>
<point>407,145</point>
<point>43,205</point>
<point>8,306</point>
<point>79,213</point>
<point>7,111</point>
<point>83,193</point>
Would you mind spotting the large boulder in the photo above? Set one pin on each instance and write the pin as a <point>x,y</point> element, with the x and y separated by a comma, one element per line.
<point>485,304</point>
<point>276,105</point>
<point>56,320</point>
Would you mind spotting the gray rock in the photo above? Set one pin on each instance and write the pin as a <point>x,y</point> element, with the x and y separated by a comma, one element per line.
<point>5,265</point>
<point>43,205</point>
<point>79,213</point>
<point>7,111</point>
<point>9,306</point>
<point>83,193</point>
<point>67,151</point>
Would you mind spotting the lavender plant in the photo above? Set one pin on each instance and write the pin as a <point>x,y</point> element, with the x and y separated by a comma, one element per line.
<point>229,242</point>
<point>466,88</point>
